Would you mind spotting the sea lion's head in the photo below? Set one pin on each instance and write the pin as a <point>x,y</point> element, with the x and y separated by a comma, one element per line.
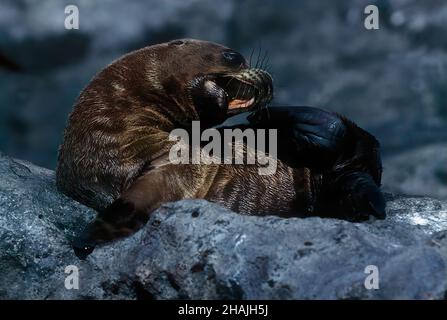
<point>214,80</point>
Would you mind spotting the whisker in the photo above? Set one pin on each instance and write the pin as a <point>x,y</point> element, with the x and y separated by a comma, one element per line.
<point>251,56</point>
<point>228,83</point>
<point>259,56</point>
<point>226,87</point>
<point>245,90</point>
<point>238,89</point>
<point>263,59</point>
<point>267,65</point>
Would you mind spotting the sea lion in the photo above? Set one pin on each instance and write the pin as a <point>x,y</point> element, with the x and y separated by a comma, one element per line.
<point>116,143</point>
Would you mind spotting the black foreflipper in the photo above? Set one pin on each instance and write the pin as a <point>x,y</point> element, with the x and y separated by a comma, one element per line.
<point>346,156</point>
<point>307,137</point>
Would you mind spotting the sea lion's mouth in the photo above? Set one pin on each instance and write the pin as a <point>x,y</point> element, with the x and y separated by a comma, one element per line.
<point>246,90</point>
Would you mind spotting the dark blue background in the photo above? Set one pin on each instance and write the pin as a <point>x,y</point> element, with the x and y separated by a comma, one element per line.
<point>391,81</point>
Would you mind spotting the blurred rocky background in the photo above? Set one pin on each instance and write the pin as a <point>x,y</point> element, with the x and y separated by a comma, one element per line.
<point>391,81</point>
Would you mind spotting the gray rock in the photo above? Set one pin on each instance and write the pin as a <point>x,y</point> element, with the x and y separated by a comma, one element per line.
<point>196,249</point>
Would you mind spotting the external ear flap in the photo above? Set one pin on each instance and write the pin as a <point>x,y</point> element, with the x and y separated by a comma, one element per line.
<point>210,101</point>
<point>359,197</point>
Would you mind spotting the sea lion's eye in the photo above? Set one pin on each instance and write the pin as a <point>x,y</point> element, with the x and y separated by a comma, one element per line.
<point>233,57</point>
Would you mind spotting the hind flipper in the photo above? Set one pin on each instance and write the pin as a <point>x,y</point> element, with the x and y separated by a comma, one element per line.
<point>355,197</point>
<point>130,211</point>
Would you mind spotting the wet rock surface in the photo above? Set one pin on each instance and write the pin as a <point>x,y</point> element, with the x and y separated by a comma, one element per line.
<point>196,249</point>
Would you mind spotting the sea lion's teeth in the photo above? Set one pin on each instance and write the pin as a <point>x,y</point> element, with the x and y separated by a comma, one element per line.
<point>250,102</point>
